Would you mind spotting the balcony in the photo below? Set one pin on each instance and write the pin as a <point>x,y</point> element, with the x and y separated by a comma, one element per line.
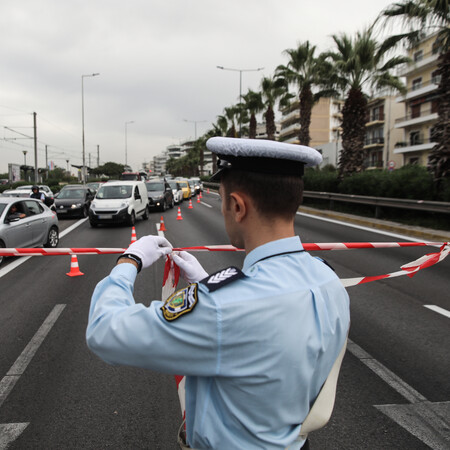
<point>414,119</point>
<point>291,129</point>
<point>370,164</point>
<point>419,90</point>
<point>418,144</point>
<point>428,59</point>
<point>373,142</point>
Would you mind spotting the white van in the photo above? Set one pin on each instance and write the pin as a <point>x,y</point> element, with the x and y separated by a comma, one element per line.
<point>119,201</point>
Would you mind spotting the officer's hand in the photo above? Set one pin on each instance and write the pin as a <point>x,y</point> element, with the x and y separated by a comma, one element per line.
<point>190,269</point>
<point>149,249</point>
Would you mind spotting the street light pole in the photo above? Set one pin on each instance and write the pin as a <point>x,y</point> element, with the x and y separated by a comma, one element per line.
<point>83,173</point>
<point>126,151</point>
<point>24,157</point>
<point>240,87</point>
<point>195,122</point>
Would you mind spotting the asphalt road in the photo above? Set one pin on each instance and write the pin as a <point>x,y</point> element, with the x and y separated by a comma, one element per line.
<point>393,391</point>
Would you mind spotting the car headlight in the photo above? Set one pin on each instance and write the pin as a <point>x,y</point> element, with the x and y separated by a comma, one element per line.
<point>76,205</point>
<point>93,205</point>
<point>124,205</point>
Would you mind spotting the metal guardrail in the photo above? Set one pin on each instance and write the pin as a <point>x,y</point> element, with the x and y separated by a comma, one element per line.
<point>377,202</point>
<point>419,205</point>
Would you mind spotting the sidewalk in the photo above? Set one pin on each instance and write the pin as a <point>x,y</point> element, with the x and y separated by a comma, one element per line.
<point>427,234</point>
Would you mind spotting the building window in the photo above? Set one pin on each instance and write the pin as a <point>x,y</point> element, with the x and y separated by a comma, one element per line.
<point>418,56</point>
<point>415,138</point>
<point>435,77</point>
<point>413,161</point>
<point>433,134</point>
<point>417,83</point>
<point>434,105</point>
<point>415,111</point>
<point>436,47</point>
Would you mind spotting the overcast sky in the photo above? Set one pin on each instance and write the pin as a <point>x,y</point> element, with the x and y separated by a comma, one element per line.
<point>157,62</point>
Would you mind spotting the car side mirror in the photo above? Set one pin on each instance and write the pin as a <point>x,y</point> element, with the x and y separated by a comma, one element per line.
<point>13,219</point>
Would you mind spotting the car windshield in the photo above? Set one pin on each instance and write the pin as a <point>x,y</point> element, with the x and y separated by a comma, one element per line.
<point>155,187</point>
<point>173,184</point>
<point>71,193</point>
<point>108,192</point>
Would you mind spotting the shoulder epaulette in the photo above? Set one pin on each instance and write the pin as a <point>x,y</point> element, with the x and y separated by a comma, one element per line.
<point>222,278</point>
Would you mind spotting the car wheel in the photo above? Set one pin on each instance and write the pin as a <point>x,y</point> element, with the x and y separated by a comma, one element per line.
<point>85,212</point>
<point>93,224</point>
<point>52,238</point>
<point>164,205</point>
<point>132,219</point>
<point>2,245</point>
<point>173,203</point>
<point>145,215</point>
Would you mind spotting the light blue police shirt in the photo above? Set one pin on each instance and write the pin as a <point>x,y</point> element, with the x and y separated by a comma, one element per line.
<point>256,351</point>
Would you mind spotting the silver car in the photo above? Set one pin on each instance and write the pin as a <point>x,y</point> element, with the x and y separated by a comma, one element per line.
<point>27,223</point>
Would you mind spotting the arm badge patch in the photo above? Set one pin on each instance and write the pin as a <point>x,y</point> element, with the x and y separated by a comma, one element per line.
<point>180,302</point>
<point>222,278</point>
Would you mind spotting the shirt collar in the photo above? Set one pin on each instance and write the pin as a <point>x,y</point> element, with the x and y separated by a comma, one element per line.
<point>272,248</point>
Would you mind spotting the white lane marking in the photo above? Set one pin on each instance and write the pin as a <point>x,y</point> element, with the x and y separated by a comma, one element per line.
<point>9,432</point>
<point>20,261</point>
<point>10,379</point>
<point>385,374</point>
<point>206,204</point>
<point>439,310</point>
<point>160,233</point>
<point>360,227</point>
<point>72,227</point>
<point>425,420</point>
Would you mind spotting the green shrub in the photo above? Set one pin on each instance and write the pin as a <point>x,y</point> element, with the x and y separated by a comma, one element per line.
<point>319,180</point>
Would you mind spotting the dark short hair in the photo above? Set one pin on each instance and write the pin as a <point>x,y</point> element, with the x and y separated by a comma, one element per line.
<point>273,195</point>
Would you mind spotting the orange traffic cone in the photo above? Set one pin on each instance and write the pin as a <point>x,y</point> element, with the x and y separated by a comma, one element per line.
<point>179,214</point>
<point>161,225</point>
<point>74,269</point>
<point>207,190</point>
<point>198,198</point>
<point>190,204</point>
<point>133,235</point>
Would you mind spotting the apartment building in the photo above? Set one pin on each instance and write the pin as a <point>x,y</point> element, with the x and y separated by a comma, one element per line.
<point>381,133</point>
<point>325,122</point>
<point>420,103</point>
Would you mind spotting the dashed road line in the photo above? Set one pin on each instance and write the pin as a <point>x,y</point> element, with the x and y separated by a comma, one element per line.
<point>9,432</point>
<point>439,310</point>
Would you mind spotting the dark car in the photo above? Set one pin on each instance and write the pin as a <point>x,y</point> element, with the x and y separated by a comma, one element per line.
<point>73,202</point>
<point>160,195</point>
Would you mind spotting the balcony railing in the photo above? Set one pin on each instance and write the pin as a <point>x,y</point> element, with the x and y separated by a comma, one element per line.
<point>373,163</point>
<point>416,140</point>
<point>411,115</point>
<point>374,140</point>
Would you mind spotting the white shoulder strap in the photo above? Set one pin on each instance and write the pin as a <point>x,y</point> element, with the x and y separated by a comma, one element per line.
<point>321,410</point>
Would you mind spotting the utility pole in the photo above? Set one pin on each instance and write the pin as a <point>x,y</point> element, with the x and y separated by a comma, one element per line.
<point>35,150</point>
<point>89,160</point>
<point>46,160</point>
<point>98,155</point>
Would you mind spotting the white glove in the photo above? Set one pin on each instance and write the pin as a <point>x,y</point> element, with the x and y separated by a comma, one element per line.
<point>149,249</point>
<point>190,269</point>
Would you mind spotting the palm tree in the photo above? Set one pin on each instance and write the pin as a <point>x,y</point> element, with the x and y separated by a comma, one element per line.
<point>422,17</point>
<point>271,91</point>
<point>360,62</point>
<point>231,113</point>
<point>305,71</point>
<point>254,104</point>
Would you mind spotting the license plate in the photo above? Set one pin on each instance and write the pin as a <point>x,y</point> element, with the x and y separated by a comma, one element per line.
<point>105,216</point>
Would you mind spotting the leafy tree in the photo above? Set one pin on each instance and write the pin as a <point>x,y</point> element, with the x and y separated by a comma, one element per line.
<point>305,72</point>
<point>231,114</point>
<point>422,17</point>
<point>110,169</point>
<point>360,62</point>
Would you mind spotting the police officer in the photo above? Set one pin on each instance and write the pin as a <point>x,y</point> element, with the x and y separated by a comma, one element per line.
<point>36,194</point>
<point>256,344</point>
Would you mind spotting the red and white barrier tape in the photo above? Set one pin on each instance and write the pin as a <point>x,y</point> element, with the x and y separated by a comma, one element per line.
<point>211,248</point>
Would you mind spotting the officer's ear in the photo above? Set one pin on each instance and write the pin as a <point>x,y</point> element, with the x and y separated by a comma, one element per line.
<point>239,205</point>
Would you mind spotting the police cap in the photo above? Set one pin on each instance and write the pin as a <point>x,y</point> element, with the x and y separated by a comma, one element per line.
<point>261,156</point>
